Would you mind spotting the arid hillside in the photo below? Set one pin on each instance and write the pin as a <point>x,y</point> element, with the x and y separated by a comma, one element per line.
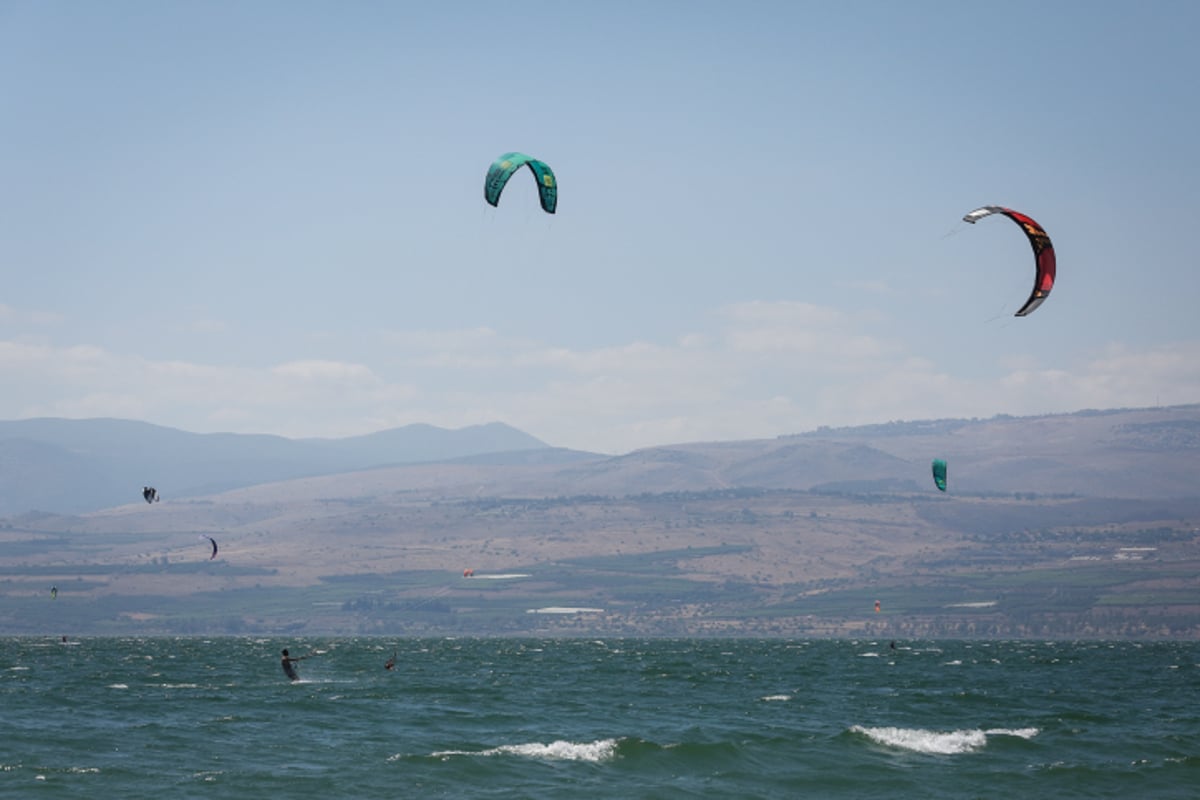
<point>1072,525</point>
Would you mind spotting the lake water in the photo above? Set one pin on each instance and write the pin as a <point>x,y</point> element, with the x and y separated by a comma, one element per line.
<point>526,718</point>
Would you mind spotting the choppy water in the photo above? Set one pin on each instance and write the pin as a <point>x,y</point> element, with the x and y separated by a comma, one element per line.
<point>180,718</point>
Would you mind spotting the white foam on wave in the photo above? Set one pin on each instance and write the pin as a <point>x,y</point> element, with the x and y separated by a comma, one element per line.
<point>118,686</point>
<point>776,698</point>
<point>208,775</point>
<point>919,740</point>
<point>560,750</point>
<point>1022,733</point>
<point>923,741</point>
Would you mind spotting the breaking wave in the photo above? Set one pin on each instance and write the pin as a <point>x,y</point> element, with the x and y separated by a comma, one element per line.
<point>938,742</point>
<point>601,750</point>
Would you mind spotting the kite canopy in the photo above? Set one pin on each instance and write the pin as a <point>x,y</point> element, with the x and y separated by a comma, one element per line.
<point>1043,253</point>
<point>939,473</point>
<point>503,168</point>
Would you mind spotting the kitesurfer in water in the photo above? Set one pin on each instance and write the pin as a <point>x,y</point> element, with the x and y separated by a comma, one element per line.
<point>391,662</point>
<point>287,661</point>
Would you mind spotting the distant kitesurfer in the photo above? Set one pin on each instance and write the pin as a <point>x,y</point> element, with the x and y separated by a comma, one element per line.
<point>892,645</point>
<point>287,661</point>
<point>391,662</point>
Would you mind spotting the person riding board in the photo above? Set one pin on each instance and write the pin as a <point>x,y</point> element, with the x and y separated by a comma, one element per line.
<point>287,661</point>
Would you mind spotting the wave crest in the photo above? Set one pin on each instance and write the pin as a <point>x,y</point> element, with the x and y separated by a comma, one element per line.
<point>601,750</point>
<point>938,742</point>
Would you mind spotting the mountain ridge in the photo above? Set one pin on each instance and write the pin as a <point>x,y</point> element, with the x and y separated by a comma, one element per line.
<point>75,466</point>
<point>80,466</point>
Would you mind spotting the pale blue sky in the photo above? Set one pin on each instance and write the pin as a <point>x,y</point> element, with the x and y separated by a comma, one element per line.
<point>268,216</point>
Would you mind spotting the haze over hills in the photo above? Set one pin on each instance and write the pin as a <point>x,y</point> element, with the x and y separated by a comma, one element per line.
<point>1084,524</point>
<point>73,466</point>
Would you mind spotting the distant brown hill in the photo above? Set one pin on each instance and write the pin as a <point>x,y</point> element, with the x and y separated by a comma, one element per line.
<point>1134,453</point>
<point>74,466</point>
<point>1083,524</point>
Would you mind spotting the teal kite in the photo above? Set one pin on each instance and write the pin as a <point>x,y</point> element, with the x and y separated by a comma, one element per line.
<point>939,473</point>
<point>503,168</point>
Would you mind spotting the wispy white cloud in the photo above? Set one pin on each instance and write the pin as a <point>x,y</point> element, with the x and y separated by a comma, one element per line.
<point>315,371</point>
<point>765,369</point>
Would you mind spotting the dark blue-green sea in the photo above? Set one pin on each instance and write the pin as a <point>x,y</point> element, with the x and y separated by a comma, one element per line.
<point>619,718</point>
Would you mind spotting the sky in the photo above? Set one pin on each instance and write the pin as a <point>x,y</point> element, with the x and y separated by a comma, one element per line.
<point>268,217</point>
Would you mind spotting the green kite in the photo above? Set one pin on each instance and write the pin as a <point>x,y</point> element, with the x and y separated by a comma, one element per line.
<point>503,168</point>
<point>939,473</point>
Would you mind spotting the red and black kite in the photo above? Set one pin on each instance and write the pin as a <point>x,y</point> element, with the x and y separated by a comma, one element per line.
<point>1043,252</point>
